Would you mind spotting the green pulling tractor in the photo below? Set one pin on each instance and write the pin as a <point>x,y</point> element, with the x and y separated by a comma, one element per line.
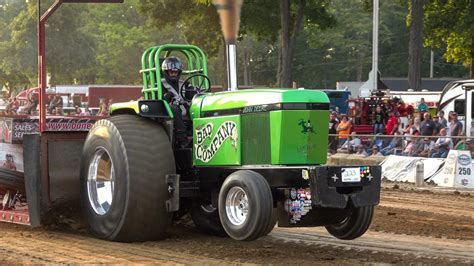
<point>251,159</point>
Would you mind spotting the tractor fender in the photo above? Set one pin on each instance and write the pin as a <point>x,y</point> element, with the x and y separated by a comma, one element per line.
<point>144,108</point>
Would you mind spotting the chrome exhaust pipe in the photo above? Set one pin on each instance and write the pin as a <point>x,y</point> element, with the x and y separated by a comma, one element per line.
<point>229,13</point>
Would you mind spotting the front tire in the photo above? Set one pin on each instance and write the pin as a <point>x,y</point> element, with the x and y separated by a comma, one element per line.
<point>354,225</point>
<point>246,205</point>
<point>123,189</point>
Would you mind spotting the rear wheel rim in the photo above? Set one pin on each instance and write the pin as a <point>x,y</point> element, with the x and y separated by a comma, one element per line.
<point>101,181</point>
<point>237,206</point>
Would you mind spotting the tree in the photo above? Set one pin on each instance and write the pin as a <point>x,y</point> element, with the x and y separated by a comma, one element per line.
<point>196,20</point>
<point>450,24</point>
<point>15,70</point>
<point>263,18</point>
<point>293,17</point>
<point>415,22</point>
<point>119,36</point>
<point>67,50</point>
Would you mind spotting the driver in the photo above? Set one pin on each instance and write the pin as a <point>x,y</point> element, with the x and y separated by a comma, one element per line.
<point>172,67</point>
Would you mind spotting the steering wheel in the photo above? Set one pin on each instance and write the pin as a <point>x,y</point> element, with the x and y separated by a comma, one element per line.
<point>199,89</point>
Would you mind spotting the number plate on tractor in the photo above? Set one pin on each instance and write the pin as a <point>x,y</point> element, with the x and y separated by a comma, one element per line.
<point>350,174</point>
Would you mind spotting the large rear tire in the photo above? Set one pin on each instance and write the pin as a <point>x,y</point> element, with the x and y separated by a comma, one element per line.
<point>354,225</point>
<point>123,187</point>
<point>246,205</point>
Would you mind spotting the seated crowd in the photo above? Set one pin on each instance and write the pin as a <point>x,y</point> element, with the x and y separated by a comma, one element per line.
<point>53,107</point>
<point>423,136</point>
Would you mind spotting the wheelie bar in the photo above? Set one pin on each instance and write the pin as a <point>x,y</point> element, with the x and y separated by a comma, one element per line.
<point>331,194</point>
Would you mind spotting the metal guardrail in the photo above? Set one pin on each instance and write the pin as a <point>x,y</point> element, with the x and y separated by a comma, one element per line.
<point>399,136</point>
<point>405,138</point>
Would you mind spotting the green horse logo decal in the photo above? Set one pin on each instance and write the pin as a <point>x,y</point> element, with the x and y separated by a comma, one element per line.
<point>307,127</point>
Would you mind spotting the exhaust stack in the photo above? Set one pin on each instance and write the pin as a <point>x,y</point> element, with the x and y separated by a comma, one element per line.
<point>229,13</point>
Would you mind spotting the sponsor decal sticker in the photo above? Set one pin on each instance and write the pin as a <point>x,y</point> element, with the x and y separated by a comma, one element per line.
<point>463,159</point>
<point>451,158</point>
<point>306,126</point>
<point>298,205</point>
<point>227,130</point>
<point>293,193</point>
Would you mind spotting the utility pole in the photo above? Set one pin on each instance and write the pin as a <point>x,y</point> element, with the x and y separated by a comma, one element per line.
<point>375,45</point>
<point>432,64</point>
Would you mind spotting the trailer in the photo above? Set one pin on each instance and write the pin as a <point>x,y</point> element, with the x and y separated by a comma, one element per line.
<point>458,96</point>
<point>34,168</point>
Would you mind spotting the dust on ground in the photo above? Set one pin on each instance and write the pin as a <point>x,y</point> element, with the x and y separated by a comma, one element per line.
<point>410,226</point>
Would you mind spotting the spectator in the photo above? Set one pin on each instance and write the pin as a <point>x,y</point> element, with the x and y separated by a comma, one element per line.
<point>427,147</point>
<point>392,124</point>
<point>343,129</point>
<point>379,120</point>
<point>422,107</point>
<point>438,126</point>
<point>442,120</point>
<point>375,151</point>
<point>361,151</point>
<point>428,126</point>
<point>78,110</point>
<point>55,102</point>
<point>59,110</point>
<point>442,145</point>
<point>87,112</point>
<point>450,119</point>
<point>103,108</point>
<point>32,104</point>
<point>408,151</point>
<point>50,99</point>
<point>15,105</point>
<point>472,129</point>
<point>356,113</point>
<point>9,107</point>
<point>333,123</point>
<point>393,145</point>
<point>407,129</point>
<point>461,144</point>
<point>416,126</point>
<point>456,128</point>
<point>351,144</point>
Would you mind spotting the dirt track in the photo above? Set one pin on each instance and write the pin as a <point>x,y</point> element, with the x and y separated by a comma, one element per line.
<point>409,227</point>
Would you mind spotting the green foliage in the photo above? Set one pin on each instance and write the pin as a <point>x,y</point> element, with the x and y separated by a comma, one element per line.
<point>198,21</point>
<point>119,38</point>
<point>345,51</point>
<point>450,24</point>
<point>103,43</point>
<point>17,60</point>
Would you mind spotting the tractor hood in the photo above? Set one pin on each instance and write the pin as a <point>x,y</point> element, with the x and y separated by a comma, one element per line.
<point>261,127</point>
<point>257,100</point>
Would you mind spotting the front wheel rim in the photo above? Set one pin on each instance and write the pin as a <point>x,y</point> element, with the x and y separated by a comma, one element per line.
<point>237,206</point>
<point>101,181</point>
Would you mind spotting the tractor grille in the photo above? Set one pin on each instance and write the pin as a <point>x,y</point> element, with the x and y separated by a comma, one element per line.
<point>256,138</point>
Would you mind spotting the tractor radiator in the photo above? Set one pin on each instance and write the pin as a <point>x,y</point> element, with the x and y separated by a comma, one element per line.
<point>255,143</point>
